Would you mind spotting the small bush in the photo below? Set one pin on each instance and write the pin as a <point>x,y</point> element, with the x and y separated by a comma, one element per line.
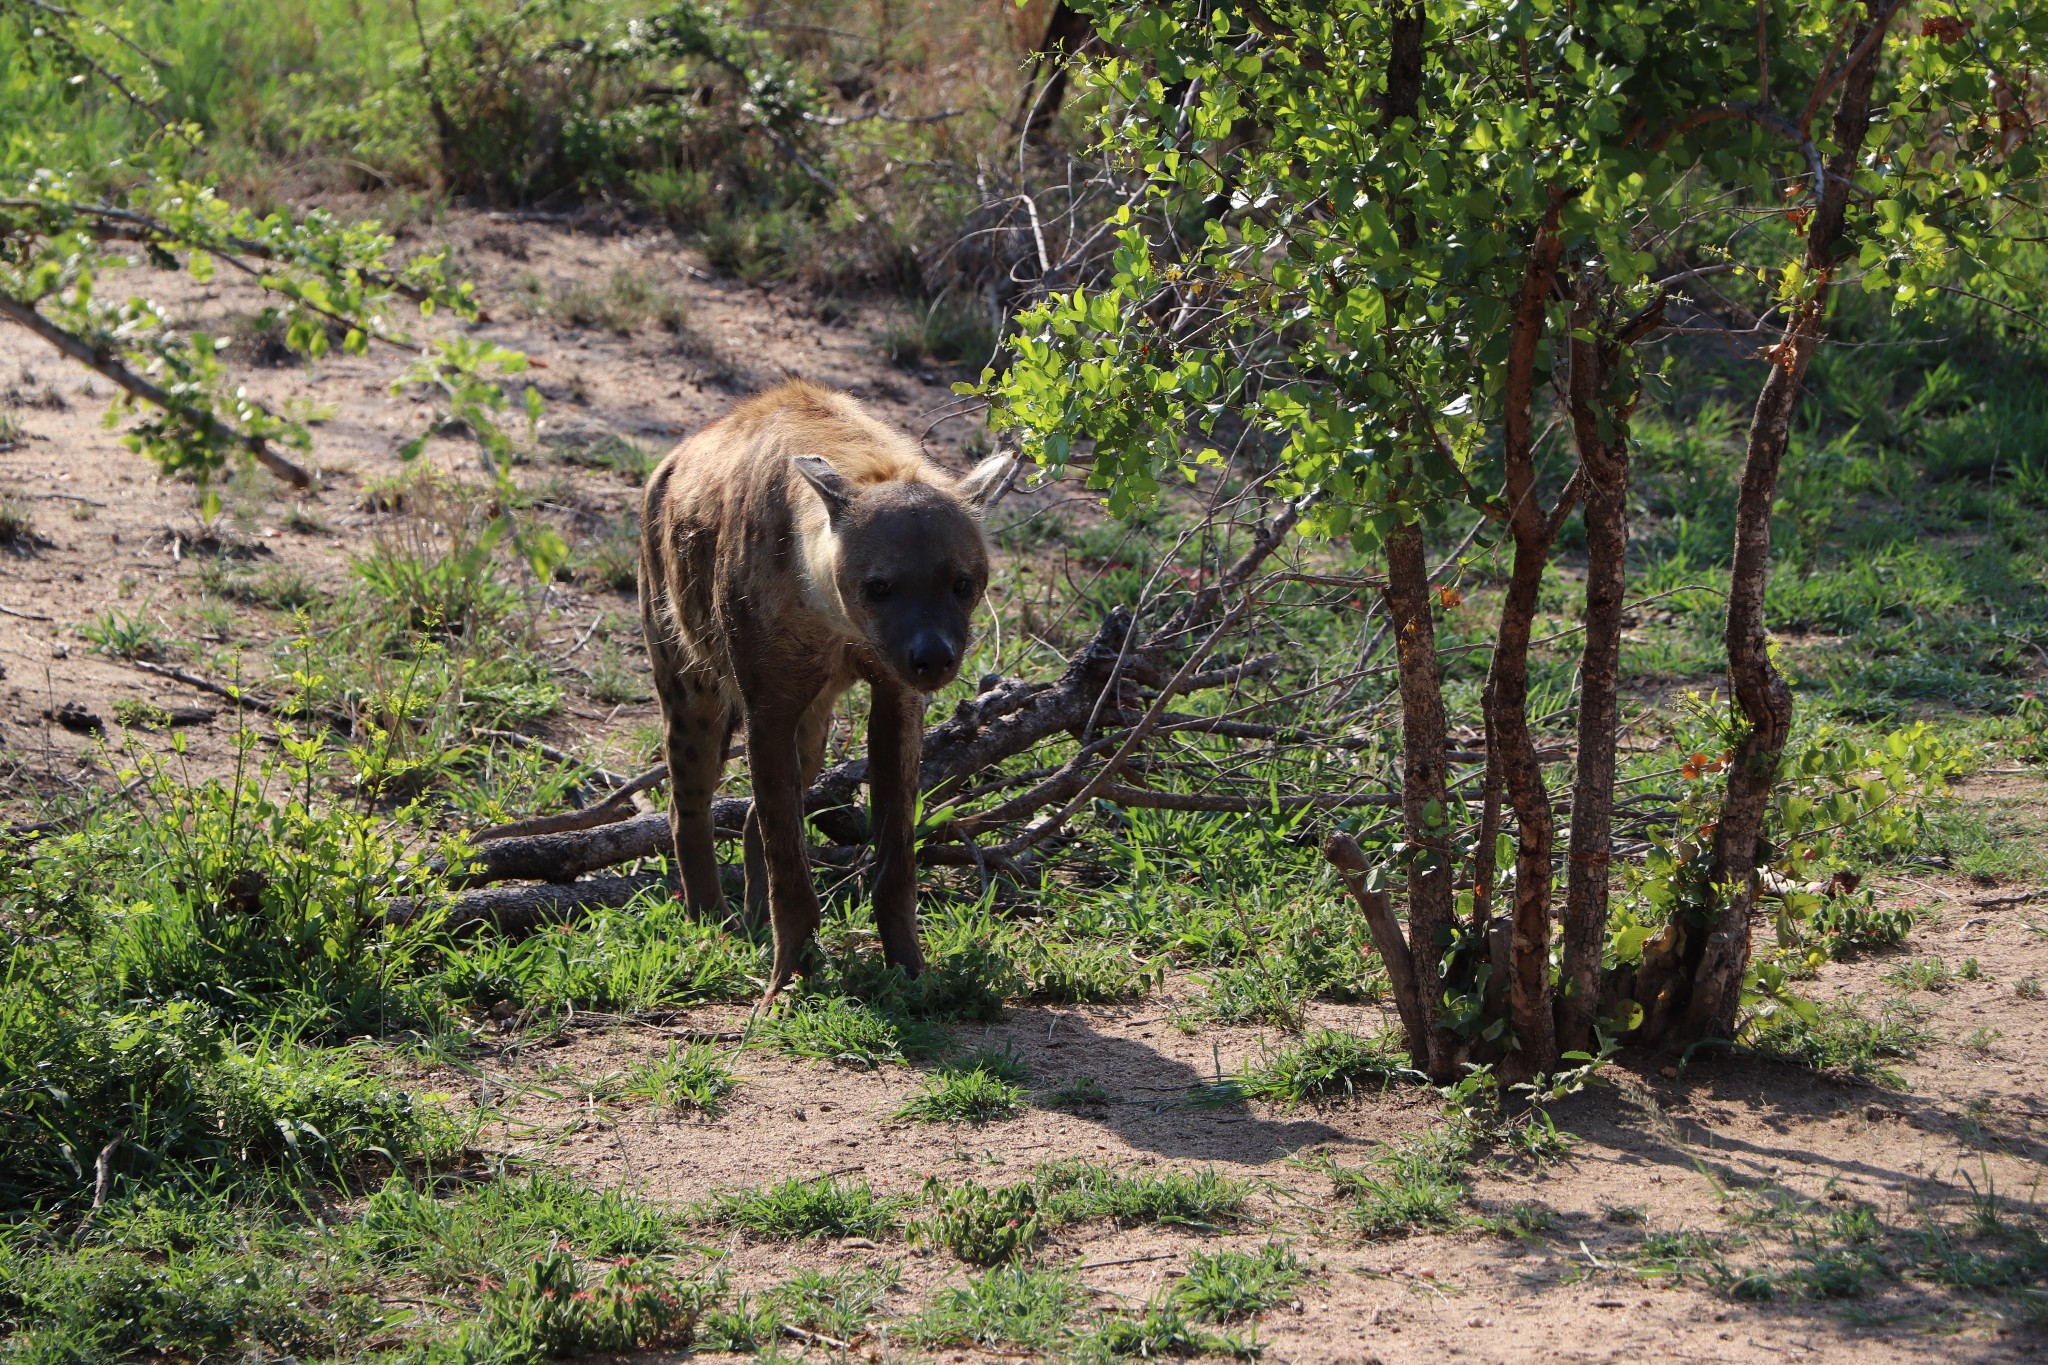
<point>979,1224</point>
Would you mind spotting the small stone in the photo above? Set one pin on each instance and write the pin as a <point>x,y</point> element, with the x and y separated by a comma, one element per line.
<point>1669,1073</point>
<point>1873,1112</point>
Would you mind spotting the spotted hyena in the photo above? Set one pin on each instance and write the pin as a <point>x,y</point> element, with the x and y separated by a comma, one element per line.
<point>788,550</point>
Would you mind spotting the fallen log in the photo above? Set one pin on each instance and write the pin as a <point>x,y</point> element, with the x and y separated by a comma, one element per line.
<point>1112,682</point>
<point>522,909</point>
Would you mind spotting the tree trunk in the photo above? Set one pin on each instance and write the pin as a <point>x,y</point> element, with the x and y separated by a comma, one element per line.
<point>1425,808</point>
<point>1511,749</point>
<point>1599,424</point>
<point>1758,689</point>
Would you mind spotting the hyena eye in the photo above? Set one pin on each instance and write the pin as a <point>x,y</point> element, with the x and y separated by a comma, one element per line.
<point>964,585</point>
<point>877,589</point>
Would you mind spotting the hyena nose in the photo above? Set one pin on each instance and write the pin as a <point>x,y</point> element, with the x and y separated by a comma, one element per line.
<point>932,656</point>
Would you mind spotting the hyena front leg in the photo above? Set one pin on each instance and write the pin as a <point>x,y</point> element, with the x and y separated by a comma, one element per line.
<point>778,816</point>
<point>895,748</point>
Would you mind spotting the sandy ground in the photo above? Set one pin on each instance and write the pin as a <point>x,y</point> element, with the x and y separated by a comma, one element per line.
<point>1657,1152</point>
<point>1661,1151</point>
<point>116,536</point>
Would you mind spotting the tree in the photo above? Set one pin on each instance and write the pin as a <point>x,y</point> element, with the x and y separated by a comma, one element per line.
<point>62,227</point>
<point>1385,235</point>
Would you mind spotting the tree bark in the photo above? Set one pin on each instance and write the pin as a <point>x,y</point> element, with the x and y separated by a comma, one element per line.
<point>1511,749</point>
<point>1425,809</point>
<point>1600,428</point>
<point>1759,691</point>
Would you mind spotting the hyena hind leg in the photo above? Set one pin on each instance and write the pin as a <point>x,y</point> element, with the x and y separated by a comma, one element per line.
<point>694,745</point>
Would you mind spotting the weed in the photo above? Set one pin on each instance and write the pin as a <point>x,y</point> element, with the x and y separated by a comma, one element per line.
<point>608,451</point>
<point>17,523</point>
<point>847,1032</point>
<point>1924,974</point>
<point>119,635</point>
<point>1846,923</point>
<point>749,1325</point>
<point>837,1303</point>
<point>976,1089</point>
<point>689,1077</point>
<point>2027,988</point>
<point>808,1208</point>
<point>1837,1034</point>
<point>548,1309</point>
<point>1011,1305</point>
<point>278,589</point>
<point>1226,1286</point>
<point>1083,1092</point>
<point>1076,1189</point>
<point>940,332</point>
<point>1163,1328</point>
<point>613,681</point>
<point>1538,1138</point>
<point>1524,1219</point>
<point>1420,1187</point>
<point>1326,1067</point>
<point>977,1223</point>
<point>1979,1040</point>
<point>625,301</point>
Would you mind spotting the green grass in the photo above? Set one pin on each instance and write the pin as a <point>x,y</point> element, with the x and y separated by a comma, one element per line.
<point>836,1303</point>
<point>1018,1306</point>
<point>1841,1036</point>
<point>807,1208</point>
<point>692,1076</point>
<point>1417,1186</point>
<point>979,1088</point>
<point>850,1033</point>
<point>1230,1286</point>
<point>1076,1189</point>
<point>1325,1067</point>
<point>1161,1328</point>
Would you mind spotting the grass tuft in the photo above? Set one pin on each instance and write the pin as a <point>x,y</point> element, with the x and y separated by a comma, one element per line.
<point>807,1208</point>
<point>1228,1286</point>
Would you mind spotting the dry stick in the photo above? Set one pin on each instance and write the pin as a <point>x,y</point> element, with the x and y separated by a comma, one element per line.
<point>25,615</point>
<point>551,753</point>
<point>93,358</point>
<point>239,696</point>
<point>613,808</point>
<point>1132,738</point>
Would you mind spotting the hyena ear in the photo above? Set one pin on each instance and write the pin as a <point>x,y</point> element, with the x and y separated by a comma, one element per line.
<point>987,481</point>
<point>830,483</point>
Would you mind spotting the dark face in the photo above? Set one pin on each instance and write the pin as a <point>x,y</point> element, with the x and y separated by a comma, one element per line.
<point>912,567</point>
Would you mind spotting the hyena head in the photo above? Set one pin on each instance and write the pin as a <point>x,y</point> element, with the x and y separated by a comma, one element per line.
<point>910,563</point>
